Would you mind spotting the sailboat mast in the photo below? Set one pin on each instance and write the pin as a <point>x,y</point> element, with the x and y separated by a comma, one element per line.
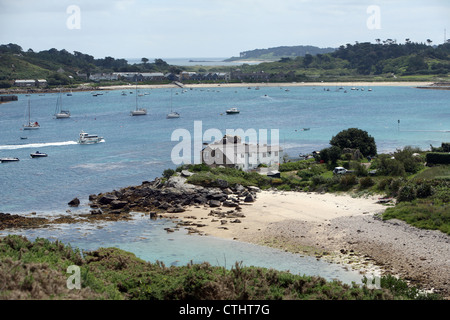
<point>29,112</point>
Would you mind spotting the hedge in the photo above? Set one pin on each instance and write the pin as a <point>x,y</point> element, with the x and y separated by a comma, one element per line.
<point>438,158</point>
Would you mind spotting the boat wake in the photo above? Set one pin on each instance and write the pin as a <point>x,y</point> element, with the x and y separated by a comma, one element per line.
<point>36,145</point>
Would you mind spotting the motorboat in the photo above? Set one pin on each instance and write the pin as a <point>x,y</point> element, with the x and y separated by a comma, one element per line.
<point>8,159</point>
<point>233,111</point>
<point>86,138</point>
<point>38,154</point>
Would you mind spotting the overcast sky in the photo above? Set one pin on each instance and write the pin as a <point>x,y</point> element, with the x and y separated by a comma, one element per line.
<point>214,28</point>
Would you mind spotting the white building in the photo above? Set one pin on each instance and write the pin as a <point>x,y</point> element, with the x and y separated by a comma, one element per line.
<point>231,152</point>
<point>25,83</point>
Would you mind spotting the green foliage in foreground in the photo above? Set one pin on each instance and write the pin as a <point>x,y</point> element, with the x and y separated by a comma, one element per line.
<point>37,270</point>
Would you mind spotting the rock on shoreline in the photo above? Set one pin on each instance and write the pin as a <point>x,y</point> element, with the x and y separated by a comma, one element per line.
<point>171,196</point>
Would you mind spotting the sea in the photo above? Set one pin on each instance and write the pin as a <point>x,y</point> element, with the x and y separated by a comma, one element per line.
<point>136,149</point>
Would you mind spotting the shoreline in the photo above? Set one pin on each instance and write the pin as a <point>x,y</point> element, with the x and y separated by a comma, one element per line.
<point>276,84</point>
<point>337,228</point>
<point>356,84</point>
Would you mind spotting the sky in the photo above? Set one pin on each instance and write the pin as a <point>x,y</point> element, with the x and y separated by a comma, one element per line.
<point>214,28</point>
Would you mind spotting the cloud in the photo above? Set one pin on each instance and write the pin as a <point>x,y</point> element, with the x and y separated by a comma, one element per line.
<point>174,28</point>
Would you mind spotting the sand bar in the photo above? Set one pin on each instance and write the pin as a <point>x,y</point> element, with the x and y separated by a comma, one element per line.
<point>340,228</point>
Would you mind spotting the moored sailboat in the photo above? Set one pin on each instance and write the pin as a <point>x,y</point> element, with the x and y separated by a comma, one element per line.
<point>138,111</point>
<point>59,112</point>
<point>30,125</point>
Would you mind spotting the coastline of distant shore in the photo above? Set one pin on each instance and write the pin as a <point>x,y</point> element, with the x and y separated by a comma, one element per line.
<point>276,84</point>
<point>345,85</point>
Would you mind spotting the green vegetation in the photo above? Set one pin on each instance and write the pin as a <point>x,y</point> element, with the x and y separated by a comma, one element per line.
<point>382,61</point>
<point>61,67</point>
<point>38,270</point>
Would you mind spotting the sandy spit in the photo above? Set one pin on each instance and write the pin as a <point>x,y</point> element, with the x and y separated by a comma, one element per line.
<point>340,228</point>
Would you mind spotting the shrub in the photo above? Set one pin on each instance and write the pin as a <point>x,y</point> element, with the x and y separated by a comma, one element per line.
<point>407,193</point>
<point>390,167</point>
<point>347,181</point>
<point>411,163</point>
<point>395,185</point>
<point>366,182</point>
<point>424,189</point>
<point>168,173</point>
<point>438,158</point>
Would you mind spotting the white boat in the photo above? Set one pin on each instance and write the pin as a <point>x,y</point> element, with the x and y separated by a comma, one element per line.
<point>38,154</point>
<point>232,111</point>
<point>8,159</point>
<point>138,111</point>
<point>30,125</point>
<point>172,114</point>
<point>59,112</point>
<point>86,138</point>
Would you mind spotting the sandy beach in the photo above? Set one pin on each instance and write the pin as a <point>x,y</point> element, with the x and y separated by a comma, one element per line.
<point>272,84</point>
<point>339,228</point>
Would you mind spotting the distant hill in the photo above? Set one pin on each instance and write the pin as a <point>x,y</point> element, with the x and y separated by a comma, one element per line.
<point>277,53</point>
<point>63,67</point>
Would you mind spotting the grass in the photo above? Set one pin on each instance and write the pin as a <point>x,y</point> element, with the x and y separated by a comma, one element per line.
<point>422,214</point>
<point>437,172</point>
<point>37,270</point>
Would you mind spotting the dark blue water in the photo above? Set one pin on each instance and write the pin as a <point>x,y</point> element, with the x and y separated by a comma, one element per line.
<point>139,148</point>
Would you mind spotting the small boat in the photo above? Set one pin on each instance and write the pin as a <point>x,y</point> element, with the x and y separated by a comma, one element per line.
<point>30,125</point>
<point>23,138</point>
<point>306,129</point>
<point>138,111</point>
<point>38,154</point>
<point>69,93</point>
<point>86,138</point>
<point>8,159</point>
<point>172,115</point>
<point>233,111</point>
<point>59,113</point>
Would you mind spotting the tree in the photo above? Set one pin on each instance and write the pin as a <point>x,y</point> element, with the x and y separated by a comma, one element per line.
<point>144,60</point>
<point>355,138</point>
<point>331,155</point>
<point>307,60</point>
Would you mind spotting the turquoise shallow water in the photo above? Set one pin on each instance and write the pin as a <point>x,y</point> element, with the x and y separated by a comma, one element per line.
<point>139,148</point>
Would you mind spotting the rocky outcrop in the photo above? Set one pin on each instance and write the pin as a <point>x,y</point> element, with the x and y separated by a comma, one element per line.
<point>172,195</point>
<point>74,202</point>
